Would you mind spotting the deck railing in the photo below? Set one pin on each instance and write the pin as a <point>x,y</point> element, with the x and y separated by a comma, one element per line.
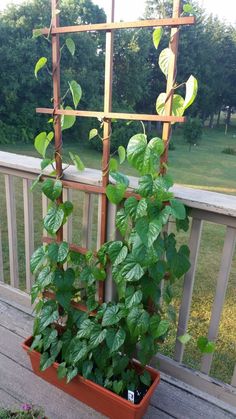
<point>21,212</point>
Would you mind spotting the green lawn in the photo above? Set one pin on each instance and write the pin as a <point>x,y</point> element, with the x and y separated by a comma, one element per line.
<point>204,167</point>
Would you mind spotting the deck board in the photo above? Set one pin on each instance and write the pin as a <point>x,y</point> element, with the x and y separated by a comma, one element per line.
<point>19,385</point>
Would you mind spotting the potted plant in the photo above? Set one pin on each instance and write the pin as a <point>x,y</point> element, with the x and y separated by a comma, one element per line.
<point>100,353</point>
<point>96,348</point>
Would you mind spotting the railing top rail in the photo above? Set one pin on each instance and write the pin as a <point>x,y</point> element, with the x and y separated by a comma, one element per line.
<point>195,198</point>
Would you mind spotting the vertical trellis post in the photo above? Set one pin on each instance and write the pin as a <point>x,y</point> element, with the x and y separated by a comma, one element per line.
<point>57,98</point>
<point>106,131</point>
<point>172,70</point>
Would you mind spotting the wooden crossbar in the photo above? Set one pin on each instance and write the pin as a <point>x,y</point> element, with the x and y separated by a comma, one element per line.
<point>112,115</point>
<point>172,22</point>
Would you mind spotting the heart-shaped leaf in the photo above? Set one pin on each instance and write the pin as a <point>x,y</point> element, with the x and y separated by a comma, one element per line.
<point>121,154</point>
<point>77,161</point>
<point>144,156</point>
<point>164,60</point>
<point>67,121</point>
<point>191,92</point>
<point>52,188</point>
<point>76,92</point>
<point>70,45</point>
<point>42,141</point>
<point>115,193</point>
<point>177,105</point>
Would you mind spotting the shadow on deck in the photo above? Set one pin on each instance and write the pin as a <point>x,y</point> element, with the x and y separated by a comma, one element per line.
<point>18,384</point>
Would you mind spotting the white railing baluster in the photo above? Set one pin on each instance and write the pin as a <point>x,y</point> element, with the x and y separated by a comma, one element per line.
<point>1,260</point>
<point>87,223</point>
<point>12,231</point>
<point>194,243</point>
<point>233,382</point>
<point>29,230</point>
<point>222,282</point>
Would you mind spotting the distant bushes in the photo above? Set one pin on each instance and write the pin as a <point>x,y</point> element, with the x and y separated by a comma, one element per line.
<point>229,150</point>
<point>192,131</point>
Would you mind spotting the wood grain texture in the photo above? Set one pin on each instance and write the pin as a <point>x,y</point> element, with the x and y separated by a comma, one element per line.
<point>188,20</point>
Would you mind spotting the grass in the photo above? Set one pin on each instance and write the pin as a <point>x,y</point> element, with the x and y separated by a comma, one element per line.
<point>204,167</point>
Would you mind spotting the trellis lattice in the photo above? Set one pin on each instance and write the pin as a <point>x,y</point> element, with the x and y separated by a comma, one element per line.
<point>107,115</point>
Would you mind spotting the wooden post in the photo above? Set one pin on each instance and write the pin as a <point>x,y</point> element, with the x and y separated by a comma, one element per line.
<point>172,70</point>
<point>57,98</point>
<point>106,133</point>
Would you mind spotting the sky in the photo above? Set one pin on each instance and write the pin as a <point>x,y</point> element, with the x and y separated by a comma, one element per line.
<point>132,9</point>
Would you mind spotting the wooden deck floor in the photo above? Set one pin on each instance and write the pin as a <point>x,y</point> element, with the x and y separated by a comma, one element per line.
<point>19,385</point>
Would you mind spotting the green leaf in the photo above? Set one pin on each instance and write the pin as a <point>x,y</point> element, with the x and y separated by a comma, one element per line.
<point>49,338</point>
<point>37,259</point>
<point>138,321</point>
<point>37,32</point>
<point>45,277</point>
<point>121,256</point>
<point>45,163</point>
<point>67,208</point>
<point>178,209</point>
<point>71,373</point>
<point>93,133</point>
<point>191,91</point>
<point>77,161</point>
<point>54,219</point>
<point>81,352</point>
<point>164,59</point>
<point>134,299</point>
<point>120,178</point>
<point>85,329</point>
<point>206,346</point>
<point>132,271</point>
<point>35,182</point>
<point>141,210</point>
<point>162,328</point>
<point>52,188</point>
<point>39,65</point>
<point>67,121</point>
<point>45,361</point>
<point>42,141</point>
<point>115,193</point>
<point>156,36</point>
<point>76,92</point>
<point>148,231</point>
<point>70,45</point>
<point>87,368</point>
<point>111,316</point>
<point>114,249</point>
<point>177,105</point>
<point>188,8</point>
<point>62,370</point>
<point>146,379</point>
<point>97,338</point>
<point>113,165</point>
<point>145,187</point>
<point>142,156</point>
<point>130,206</point>
<point>118,341</point>
<point>58,252</point>
<point>117,386</point>
<point>121,154</point>
<point>47,316</point>
<point>122,221</point>
<point>184,338</point>
<point>64,282</point>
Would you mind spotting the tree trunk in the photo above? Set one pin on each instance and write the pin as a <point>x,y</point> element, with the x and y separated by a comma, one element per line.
<point>228,116</point>
<point>211,122</point>
<point>218,117</point>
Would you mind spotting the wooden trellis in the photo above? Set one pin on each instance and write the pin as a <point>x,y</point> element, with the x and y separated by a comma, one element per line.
<point>107,115</point>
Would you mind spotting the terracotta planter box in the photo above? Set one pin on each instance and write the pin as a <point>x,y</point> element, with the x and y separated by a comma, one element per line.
<point>95,396</point>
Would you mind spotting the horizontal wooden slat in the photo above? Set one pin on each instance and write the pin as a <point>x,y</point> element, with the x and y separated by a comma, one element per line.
<point>187,20</point>
<point>83,187</point>
<point>75,247</point>
<point>112,115</point>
